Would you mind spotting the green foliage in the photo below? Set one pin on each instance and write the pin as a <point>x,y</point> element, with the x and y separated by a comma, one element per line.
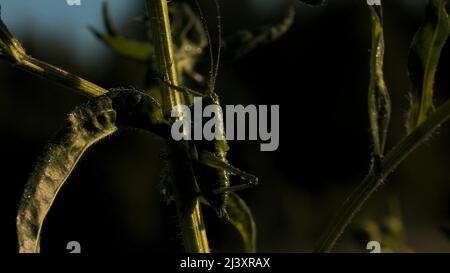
<point>245,41</point>
<point>129,48</point>
<point>111,110</point>
<point>379,100</point>
<point>388,229</point>
<point>105,114</point>
<point>241,218</point>
<point>86,125</point>
<point>425,54</point>
<point>190,40</point>
<point>424,59</point>
<point>10,48</point>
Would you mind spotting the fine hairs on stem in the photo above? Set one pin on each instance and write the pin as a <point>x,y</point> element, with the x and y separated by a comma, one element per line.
<point>191,222</point>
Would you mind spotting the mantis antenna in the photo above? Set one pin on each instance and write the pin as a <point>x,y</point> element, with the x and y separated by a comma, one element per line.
<point>214,64</point>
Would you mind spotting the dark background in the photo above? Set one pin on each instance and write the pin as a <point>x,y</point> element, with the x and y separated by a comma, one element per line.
<point>317,73</point>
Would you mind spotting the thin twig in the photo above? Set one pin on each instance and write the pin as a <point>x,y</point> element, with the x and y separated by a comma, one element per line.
<point>12,51</point>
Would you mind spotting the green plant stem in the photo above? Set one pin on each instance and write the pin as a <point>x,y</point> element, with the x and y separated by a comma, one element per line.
<point>191,221</point>
<point>164,53</point>
<point>58,75</point>
<point>372,181</point>
<point>12,51</point>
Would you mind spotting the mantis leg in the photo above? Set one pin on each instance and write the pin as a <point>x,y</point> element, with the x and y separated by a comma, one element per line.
<point>211,160</point>
<point>182,89</point>
<point>234,188</point>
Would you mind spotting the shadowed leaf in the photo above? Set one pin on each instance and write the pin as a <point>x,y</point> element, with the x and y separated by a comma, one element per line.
<point>133,49</point>
<point>10,47</point>
<point>86,126</point>
<point>379,100</point>
<point>241,218</point>
<point>107,20</point>
<point>54,167</point>
<point>423,61</point>
<point>244,41</point>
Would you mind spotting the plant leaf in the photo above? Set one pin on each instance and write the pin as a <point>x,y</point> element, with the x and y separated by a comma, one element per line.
<point>87,125</point>
<point>133,49</point>
<point>10,47</point>
<point>373,181</point>
<point>244,41</point>
<point>379,100</point>
<point>107,20</point>
<point>55,165</point>
<point>424,59</point>
<point>241,218</point>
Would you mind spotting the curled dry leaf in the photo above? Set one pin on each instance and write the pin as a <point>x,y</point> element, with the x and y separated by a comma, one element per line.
<point>86,125</point>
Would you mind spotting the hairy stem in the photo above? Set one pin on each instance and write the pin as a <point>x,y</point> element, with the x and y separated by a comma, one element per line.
<point>373,181</point>
<point>58,75</point>
<point>164,53</point>
<point>190,217</point>
<point>12,51</point>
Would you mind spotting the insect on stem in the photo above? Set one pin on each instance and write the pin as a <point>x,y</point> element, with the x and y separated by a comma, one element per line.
<point>191,222</point>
